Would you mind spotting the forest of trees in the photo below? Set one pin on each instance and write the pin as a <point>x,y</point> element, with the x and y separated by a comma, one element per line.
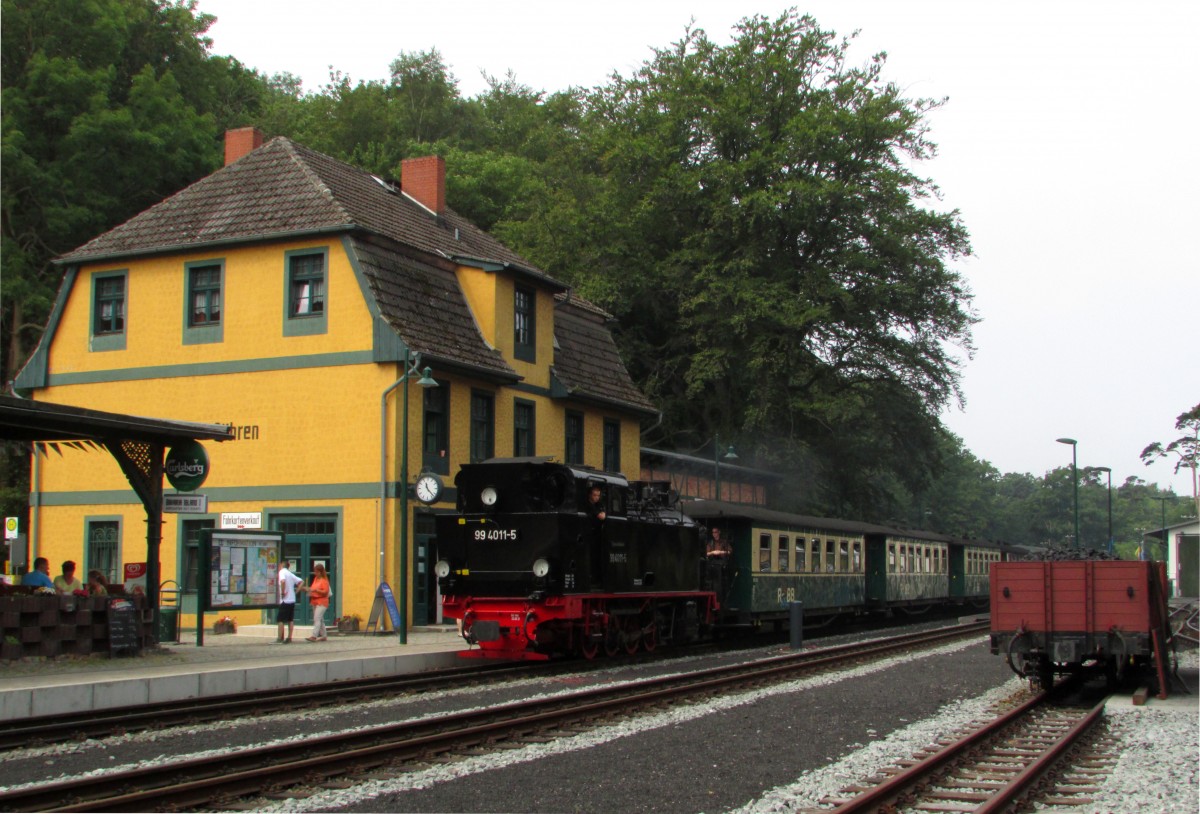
<point>750,212</point>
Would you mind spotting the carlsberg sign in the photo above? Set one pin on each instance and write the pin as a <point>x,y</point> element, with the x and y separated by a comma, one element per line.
<point>187,466</point>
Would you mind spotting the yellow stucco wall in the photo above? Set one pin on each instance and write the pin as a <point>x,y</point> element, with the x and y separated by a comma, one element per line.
<point>306,411</point>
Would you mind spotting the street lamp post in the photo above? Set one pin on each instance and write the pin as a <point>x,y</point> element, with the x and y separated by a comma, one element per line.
<point>730,455</point>
<point>426,381</point>
<point>1075,479</point>
<point>1110,531</point>
<point>1162,502</point>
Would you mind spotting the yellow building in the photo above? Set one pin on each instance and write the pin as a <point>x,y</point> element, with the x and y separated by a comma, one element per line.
<point>301,301</point>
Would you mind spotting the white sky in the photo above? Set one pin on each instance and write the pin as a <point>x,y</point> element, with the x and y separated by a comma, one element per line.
<point>1067,144</point>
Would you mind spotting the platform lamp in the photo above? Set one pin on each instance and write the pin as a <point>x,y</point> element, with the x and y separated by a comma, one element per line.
<point>1110,533</point>
<point>1075,479</point>
<point>729,455</point>
<point>426,381</point>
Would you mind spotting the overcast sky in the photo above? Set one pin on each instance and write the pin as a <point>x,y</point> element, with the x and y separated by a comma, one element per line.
<point>1067,144</point>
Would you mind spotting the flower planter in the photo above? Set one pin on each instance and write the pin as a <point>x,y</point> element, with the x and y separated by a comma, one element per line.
<point>347,626</point>
<point>224,627</point>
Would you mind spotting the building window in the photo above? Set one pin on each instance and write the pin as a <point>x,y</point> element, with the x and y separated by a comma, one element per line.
<point>202,310</point>
<point>612,445</point>
<point>574,437</point>
<point>435,446</point>
<point>307,293</point>
<point>523,428</point>
<point>104,549</point>
<point>483,426</point>
<point>524,324</point>
<point>190,572</point>
<point>108,311</point>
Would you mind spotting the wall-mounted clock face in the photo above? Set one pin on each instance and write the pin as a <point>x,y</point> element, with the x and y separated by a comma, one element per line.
<point>429,488</point>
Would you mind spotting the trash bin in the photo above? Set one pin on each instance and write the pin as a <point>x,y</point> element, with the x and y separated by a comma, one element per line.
<point>168,612</point>
<point>168,624</point>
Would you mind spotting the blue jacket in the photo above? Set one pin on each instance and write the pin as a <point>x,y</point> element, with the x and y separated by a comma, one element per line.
<point>37,579</point>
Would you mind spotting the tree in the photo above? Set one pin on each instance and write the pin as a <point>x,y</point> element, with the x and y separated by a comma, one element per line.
<point>1186,449</point>
<point>750,215</point>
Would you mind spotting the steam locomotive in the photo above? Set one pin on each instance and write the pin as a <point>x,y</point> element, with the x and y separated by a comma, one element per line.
<point>529,571</point>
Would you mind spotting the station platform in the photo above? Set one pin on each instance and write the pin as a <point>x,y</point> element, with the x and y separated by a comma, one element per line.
<point>229,663</point>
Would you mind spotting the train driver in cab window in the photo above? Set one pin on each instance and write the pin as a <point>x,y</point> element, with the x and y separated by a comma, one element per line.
<point>717,545</point>
<point>595,504</point>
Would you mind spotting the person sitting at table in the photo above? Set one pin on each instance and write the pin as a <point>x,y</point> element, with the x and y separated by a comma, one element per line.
<point>68,582</point>
<point>39,577</point>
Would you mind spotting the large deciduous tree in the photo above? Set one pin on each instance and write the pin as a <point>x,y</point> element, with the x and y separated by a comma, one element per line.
<point>780,271</point>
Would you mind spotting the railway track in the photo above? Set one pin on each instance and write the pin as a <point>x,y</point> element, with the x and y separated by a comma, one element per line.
<point>1004,765</point>
<point>222,781</point>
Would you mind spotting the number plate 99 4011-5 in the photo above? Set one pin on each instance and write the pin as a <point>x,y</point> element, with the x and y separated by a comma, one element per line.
<point>496,535</point>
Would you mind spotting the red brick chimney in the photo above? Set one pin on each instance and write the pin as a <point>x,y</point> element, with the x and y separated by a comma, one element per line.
<point>425,180</point>
<point>241,141</point>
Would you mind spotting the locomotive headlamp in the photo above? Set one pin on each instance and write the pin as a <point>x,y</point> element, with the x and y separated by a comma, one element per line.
<point>489,496</point>
<point>540,568</point>
<point>442,569</point>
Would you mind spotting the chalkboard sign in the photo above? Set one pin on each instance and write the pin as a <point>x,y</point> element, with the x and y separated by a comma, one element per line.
<point>123,627</point>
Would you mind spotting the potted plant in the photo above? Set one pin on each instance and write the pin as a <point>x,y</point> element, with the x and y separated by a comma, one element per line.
<point>225,624</point>
<point>349,623</point>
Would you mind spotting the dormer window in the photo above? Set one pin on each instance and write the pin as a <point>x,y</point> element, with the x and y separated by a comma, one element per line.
<point>524,324</point>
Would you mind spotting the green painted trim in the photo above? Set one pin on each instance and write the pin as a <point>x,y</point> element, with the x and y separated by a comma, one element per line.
<point>202,334</point>
<point>215,368</point>
<point>318,491</point>
<point>310,324</point>
<point>37,369</point>
<point>115,340</point>
<point>83,563</point>
<point>532,389</point>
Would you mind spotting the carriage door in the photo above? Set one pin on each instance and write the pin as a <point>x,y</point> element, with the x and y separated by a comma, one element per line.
<point>958,581</point>
<point>423,580</point>
<point>309,539</point>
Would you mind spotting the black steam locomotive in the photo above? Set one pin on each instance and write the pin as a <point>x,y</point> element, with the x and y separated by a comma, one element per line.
<point>533,564</point>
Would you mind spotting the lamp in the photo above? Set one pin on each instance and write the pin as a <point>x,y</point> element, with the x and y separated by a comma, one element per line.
<point>426,380</point>
<point>1166,542</point>
<point>730,455</point>
<point>1110,532</point>
<point>1075,479</point>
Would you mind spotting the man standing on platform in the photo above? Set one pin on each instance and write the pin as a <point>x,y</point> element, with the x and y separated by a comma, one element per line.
<point>289,584</point>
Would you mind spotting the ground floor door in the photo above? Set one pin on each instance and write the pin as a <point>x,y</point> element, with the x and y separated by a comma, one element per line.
<point>1189,566</point>
<point>309,539</point>
<point>425,611</point>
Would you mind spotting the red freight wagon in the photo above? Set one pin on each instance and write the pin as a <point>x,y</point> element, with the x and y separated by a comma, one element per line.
<point>1057,617</point>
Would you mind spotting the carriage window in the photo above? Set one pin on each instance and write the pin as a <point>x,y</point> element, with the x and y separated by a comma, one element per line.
<point>858,564</point>
<point>844,556</point>
<point>892,557</point>
<point>801,565</point>
<point>829,556</point>
<point>764,552</point>
<point>814,560</point>
<point>784,549</point>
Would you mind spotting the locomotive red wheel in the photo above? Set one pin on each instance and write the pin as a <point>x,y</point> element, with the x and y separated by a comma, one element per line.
<point>612,638</point>
<point>632,635</point>
<point>589,647</point>
<point>650,637</point>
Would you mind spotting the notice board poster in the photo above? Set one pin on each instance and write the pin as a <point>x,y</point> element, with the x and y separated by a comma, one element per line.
<point>243,568</point>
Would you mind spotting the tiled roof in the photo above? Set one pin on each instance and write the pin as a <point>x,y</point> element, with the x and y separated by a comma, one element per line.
<point>425,306</point>
<point>587,362</point>
<point>282,189</point>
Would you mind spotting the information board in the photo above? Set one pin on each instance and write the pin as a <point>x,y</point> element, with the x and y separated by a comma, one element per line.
<point>243,568</point>
<point>123,635</point>
<point>384,599</point>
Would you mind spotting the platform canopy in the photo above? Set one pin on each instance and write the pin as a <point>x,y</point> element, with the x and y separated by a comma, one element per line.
<point>138,444</point>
